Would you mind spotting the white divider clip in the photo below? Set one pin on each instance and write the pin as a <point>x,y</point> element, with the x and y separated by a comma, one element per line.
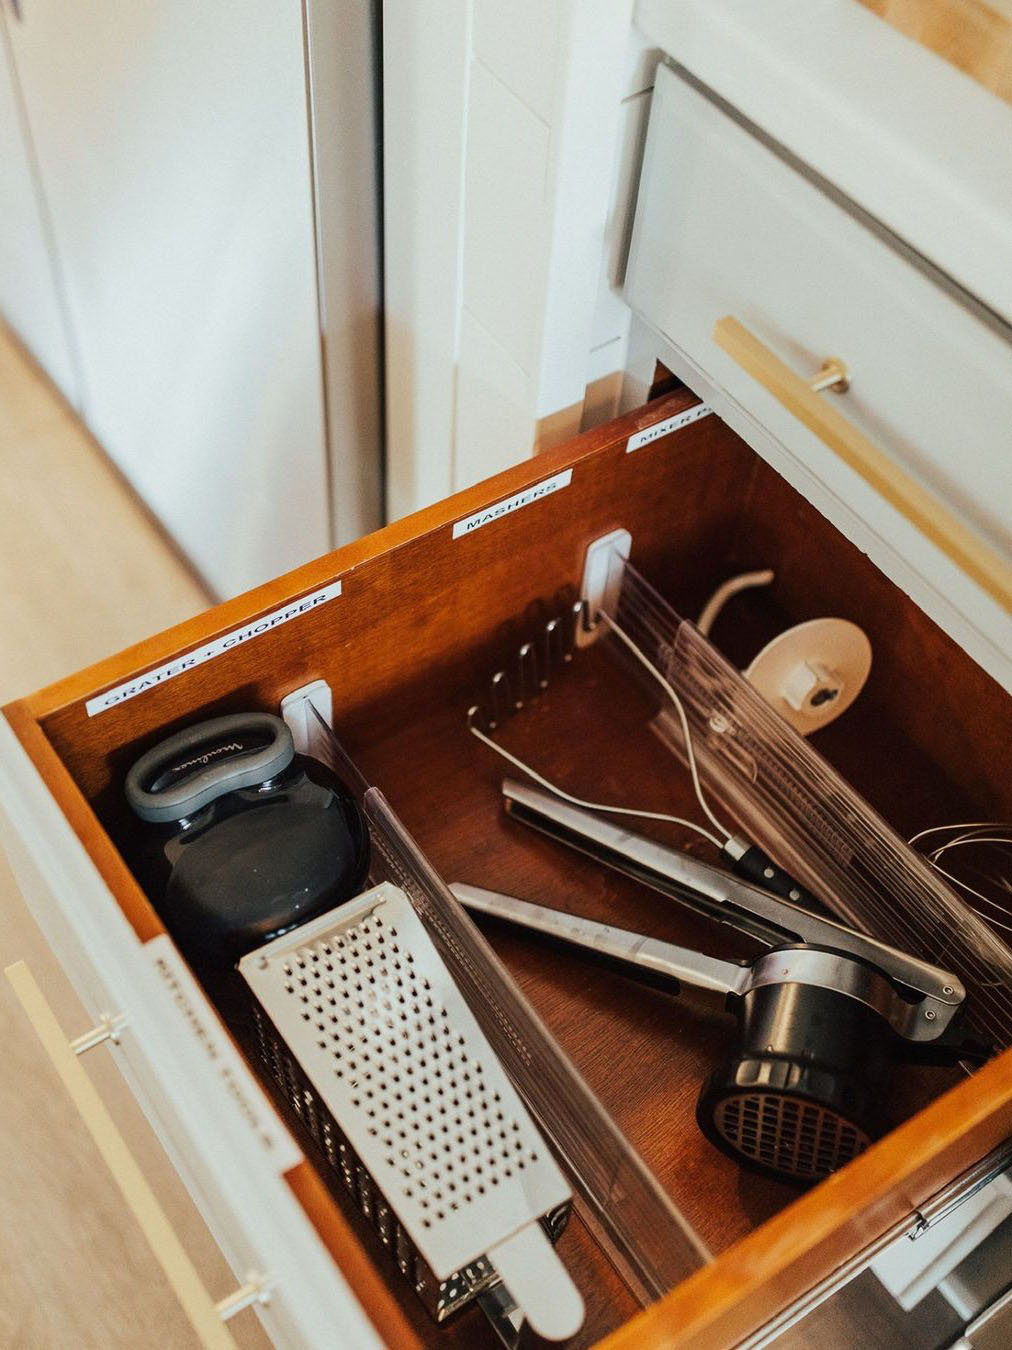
<point>107,1028</point>
<point>603,570</point>
<point>295,711</point>
<point>257,1289</point>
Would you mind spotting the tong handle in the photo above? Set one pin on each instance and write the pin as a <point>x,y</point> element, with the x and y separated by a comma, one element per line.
<point>753,864</point>
<point>708,890</point>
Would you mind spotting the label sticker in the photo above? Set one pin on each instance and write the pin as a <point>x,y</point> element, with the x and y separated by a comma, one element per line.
<point>531,494</point>
<point>247,1102</point>
<point>152,678</point>
<point>654,433</point>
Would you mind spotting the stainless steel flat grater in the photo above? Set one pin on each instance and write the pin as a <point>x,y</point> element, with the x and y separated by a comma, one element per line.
<point>376,1050</point>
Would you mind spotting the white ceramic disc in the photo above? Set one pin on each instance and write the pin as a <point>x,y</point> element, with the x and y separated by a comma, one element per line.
<point>813,672</point>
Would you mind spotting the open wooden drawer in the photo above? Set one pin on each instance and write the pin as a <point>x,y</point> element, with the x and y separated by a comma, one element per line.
<point>425,611</point>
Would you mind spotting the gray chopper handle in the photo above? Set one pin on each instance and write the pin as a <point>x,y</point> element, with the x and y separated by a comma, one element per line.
<point>220,773</point>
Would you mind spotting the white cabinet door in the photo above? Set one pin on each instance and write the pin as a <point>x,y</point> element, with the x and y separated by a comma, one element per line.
<point>29,299</point>
<point>173,148</point>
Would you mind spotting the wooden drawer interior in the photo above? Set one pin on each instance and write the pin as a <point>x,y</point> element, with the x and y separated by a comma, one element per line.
<point>424,619</point>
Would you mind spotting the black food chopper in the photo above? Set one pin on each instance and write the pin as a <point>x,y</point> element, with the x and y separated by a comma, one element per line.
<point>243,839</point>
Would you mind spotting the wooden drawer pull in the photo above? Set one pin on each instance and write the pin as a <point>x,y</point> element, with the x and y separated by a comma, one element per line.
<point>921,508</point>
<point>206,1316</point>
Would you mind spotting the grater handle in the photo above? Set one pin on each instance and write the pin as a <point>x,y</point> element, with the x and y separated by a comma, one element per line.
<point>541,1286</point>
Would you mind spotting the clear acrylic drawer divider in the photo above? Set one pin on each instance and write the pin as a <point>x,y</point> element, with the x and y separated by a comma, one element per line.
<point>645,1237</point>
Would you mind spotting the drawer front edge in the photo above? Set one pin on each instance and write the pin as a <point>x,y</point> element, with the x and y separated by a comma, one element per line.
<point>236,1179</point>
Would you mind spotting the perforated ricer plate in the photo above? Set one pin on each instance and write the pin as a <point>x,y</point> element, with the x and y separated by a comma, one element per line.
<point>794,1137</point>
<point>369,1011</point>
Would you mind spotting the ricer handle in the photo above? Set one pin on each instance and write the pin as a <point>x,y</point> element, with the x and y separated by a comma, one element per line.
<point>675,965</point>
<point>710,891</point>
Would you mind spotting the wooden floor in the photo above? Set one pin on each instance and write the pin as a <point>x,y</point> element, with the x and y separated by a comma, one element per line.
<point>83,572</point>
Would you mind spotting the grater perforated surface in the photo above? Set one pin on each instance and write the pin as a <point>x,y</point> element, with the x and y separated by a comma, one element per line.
<point>370,1012</point>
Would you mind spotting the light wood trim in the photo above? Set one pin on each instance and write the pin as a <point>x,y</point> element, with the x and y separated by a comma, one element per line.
<point>921,508</point>
<point>974,37</point>
<point>803,1244</point>
<point>161,1236</point>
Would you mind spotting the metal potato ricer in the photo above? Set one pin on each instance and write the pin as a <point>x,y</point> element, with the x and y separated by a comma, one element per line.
<point>825,1014</point>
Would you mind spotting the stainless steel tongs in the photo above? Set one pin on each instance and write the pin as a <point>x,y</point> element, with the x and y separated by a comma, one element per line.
<point>924,997</point>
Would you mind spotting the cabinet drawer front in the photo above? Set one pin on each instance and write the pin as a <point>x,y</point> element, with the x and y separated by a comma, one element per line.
<point>220,1133</point>
<point>725,227</point>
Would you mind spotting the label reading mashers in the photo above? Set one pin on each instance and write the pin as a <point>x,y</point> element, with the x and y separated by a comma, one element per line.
<point>151,678</point>
<point>665,428</point>
<point>532,494</point>
<point>246,1102</point>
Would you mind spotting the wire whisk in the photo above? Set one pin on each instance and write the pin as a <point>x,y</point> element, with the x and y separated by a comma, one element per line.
<point>985,854</point>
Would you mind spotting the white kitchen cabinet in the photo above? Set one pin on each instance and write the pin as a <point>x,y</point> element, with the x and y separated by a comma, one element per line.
<point>502,125</point>
<point>904,163</point>
<point>175,160</point>
<point>884,121</point>
<point>724,228</point>
<point>30,298</point>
